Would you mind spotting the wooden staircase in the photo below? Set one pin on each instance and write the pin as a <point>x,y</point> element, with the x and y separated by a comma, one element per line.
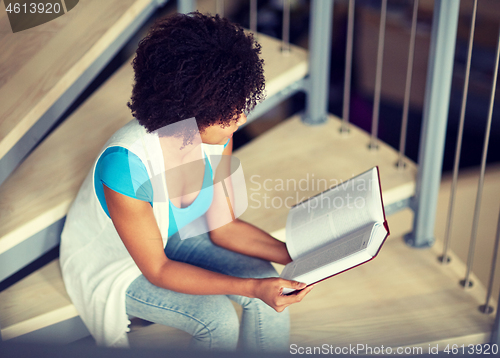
<point>368,305</point>
<point>44,69</point>
<point>35,198</point>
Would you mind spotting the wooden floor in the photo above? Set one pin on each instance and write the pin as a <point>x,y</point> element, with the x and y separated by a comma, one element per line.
<point>293,161</point>
<point>404,297</point>
<point>39,64</point>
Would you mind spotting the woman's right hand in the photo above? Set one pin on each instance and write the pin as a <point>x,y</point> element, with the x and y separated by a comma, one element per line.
<point>270,290</point>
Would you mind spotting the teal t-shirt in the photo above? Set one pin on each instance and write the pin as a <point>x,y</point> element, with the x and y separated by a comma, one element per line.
<point>123,171</point>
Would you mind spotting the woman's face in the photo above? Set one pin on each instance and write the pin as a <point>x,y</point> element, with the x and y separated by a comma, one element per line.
<point>216,134</point>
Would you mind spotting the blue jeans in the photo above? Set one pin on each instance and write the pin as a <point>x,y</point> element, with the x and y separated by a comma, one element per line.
<point>211,319</point>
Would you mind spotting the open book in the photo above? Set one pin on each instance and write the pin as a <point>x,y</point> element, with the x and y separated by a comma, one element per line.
<point>336,230</point>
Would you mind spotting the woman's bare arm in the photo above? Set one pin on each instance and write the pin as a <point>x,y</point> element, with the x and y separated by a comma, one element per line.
<point>240,236</point>
<point>234,234</point>
<point>135,222</point>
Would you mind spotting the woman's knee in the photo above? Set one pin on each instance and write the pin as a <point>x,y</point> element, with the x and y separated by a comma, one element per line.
<point>264,311</point>
<point>211,320</point>
<point>264,329</point>
<point>218,330</point>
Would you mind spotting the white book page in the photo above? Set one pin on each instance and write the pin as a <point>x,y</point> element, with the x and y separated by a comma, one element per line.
<point>307,233</point>
<point>334,214</point>
<point>354,249</point>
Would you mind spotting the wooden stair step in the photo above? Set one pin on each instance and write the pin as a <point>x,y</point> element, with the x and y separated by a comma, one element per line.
<point>58,59</point>
<point>404,297</point>
<point>39,300</point>
<point>33,198</point>
<point>293,161</point>
<point>281,68</point>
<point>40,191</point>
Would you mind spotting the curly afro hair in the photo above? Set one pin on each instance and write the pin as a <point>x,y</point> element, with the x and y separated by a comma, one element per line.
<point>195,66</point>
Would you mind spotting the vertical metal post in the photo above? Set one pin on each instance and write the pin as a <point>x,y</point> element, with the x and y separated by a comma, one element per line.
<point>458,149</point>
<point>436,105</point>
<point>409,71</point>
<point>475,222</point>
<point>219,8</point>
<point>486,308</point>
<point>253,16</point>
<point>495,333</point>
<point>378,77</point>
<point>185,6</point>
<point>320,34</point>
<point>285,41</point>
<point>344,128</point>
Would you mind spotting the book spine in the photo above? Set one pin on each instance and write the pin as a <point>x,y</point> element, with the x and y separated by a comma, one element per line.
<point>386,225</point>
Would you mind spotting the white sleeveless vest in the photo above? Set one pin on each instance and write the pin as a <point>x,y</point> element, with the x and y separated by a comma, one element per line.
<point>96,267</point>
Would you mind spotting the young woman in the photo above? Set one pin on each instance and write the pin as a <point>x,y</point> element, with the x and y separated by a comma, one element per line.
<point>121,251</point>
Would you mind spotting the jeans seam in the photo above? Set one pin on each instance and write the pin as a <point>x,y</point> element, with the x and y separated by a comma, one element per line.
<point>260,335</point>
<point>176,311</point>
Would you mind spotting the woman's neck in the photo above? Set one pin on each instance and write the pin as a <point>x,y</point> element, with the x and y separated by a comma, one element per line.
<point>176,152</point>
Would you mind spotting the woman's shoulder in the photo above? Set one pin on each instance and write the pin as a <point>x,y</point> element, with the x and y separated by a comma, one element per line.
<point>128,134</point>
<point>123,171</point>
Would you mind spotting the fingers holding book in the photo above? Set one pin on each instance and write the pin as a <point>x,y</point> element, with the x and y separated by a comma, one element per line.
<point>270,290</point>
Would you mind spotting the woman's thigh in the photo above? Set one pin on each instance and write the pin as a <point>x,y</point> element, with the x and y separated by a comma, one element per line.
<point>201,252</point>
<point>262,328</point>
<point>211,320</point>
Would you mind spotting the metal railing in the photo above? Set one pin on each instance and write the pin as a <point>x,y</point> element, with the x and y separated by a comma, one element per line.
<point>436,105</point>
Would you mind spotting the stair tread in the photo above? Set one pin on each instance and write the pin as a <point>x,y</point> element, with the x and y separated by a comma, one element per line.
<point>316,157</point>
<point>38,65</point>
<point>281,69</point>
<point>36,301</point>
<point>31,200</point>
<point>403,297</point>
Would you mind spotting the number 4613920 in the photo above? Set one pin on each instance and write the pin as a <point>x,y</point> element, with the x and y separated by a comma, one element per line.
<point>471,349</point>
<point>33,8</point>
